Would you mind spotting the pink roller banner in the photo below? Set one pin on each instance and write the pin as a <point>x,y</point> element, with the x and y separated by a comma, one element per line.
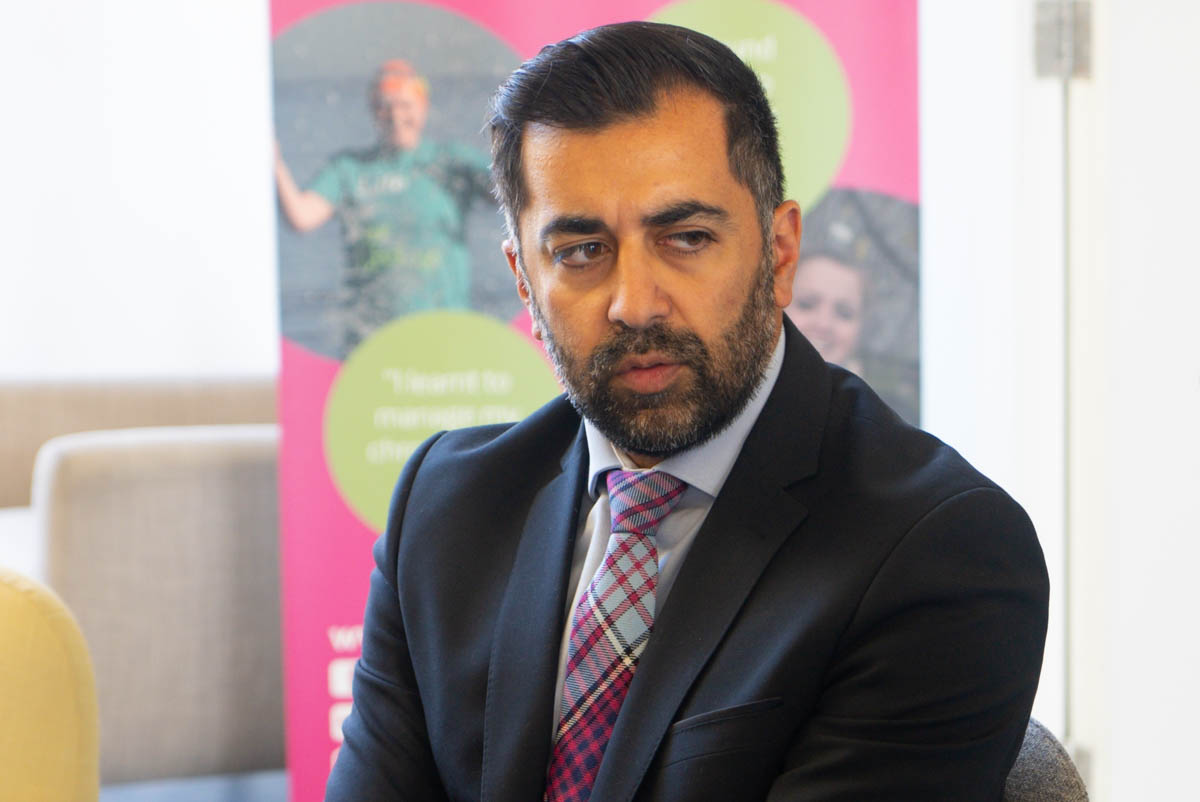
<point>399,314</point>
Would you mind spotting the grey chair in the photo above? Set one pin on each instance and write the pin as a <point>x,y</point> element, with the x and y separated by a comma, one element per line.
<point>1043,771</point>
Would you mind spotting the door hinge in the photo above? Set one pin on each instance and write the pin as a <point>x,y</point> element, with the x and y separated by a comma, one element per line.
<point>1063,39</point>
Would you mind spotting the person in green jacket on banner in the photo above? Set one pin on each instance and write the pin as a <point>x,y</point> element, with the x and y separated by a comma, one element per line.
<point>402,204</point>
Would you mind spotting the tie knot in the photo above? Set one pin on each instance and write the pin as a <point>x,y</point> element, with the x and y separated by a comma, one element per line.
<point>639,500</point>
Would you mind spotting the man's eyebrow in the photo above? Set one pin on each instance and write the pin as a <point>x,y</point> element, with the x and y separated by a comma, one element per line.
<point>678,212</point>
<point>569,224</point>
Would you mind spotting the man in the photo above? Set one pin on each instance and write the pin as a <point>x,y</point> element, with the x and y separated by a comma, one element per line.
<point>403,205</point>
<point>805,599</point>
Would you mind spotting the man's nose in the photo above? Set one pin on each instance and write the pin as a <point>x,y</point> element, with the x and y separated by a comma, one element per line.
<point>638,298</point>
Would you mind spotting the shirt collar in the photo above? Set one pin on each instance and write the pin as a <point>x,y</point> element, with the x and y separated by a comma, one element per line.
<point>705,466</point>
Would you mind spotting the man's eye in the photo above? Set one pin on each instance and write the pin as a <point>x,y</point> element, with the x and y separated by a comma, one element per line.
<point>580,255</point>
<point>689,241</point>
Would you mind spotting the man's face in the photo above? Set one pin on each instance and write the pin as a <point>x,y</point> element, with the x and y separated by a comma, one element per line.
<point>647,275</point>
<point>400,114</point>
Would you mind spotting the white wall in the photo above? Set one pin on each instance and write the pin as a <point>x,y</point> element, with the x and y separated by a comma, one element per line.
<point>1135,698</point>
<point>994,319</point>
<point>992,314</point>
<point>138,228</point>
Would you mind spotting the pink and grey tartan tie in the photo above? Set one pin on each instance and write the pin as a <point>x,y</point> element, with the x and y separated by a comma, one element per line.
<point>609,630</point>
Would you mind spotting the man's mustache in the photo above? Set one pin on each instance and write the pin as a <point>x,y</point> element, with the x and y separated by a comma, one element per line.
<point>680,345</point>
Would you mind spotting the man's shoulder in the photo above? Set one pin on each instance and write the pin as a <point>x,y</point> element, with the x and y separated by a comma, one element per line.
<point>886,496</point>
<point>872,453</point>
<point>480,452</point>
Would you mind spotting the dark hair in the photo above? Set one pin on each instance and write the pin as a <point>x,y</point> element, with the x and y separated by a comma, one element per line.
<point>614,73</point>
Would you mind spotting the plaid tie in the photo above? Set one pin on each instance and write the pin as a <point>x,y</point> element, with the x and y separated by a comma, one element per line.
<point>609,630</point>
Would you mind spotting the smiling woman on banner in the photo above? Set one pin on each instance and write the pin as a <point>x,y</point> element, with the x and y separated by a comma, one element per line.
<point>855,293</point>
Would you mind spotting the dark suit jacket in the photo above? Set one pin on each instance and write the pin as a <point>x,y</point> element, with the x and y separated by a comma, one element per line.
<point>861,617</point>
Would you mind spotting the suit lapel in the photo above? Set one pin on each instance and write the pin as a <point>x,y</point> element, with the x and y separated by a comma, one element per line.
<point>749,520</point>
<point>524,662</point>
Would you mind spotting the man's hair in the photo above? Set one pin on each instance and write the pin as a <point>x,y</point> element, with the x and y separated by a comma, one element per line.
<point>615,73</point>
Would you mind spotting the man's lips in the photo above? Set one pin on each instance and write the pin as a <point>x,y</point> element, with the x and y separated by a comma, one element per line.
<point>646,373</point>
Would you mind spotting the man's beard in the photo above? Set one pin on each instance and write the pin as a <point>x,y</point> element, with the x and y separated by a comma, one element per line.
<point>664,423</point>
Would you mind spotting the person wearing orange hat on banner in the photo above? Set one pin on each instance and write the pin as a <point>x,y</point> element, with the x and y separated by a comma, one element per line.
<point>402,204</point>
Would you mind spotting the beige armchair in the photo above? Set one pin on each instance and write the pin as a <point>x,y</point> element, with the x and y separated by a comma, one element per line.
<point>164,542</point>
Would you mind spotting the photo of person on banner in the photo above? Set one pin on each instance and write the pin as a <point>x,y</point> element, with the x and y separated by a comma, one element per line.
<point>717,567</point>
<point>855,294</point>
<point>402,204</point>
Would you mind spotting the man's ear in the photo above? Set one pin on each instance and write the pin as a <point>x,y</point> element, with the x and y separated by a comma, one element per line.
<point>785,245</point>
<point>513,257</point>
<point>514,264</point>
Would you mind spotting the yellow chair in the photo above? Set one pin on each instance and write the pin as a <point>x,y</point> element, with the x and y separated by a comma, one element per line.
<point>49,748</point>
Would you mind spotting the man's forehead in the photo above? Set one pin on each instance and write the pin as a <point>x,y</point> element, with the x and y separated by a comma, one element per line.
<point>677,151</point>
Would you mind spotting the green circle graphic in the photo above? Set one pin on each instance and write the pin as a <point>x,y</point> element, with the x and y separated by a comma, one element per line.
<point>416,376</point>
<point>801,74</point>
